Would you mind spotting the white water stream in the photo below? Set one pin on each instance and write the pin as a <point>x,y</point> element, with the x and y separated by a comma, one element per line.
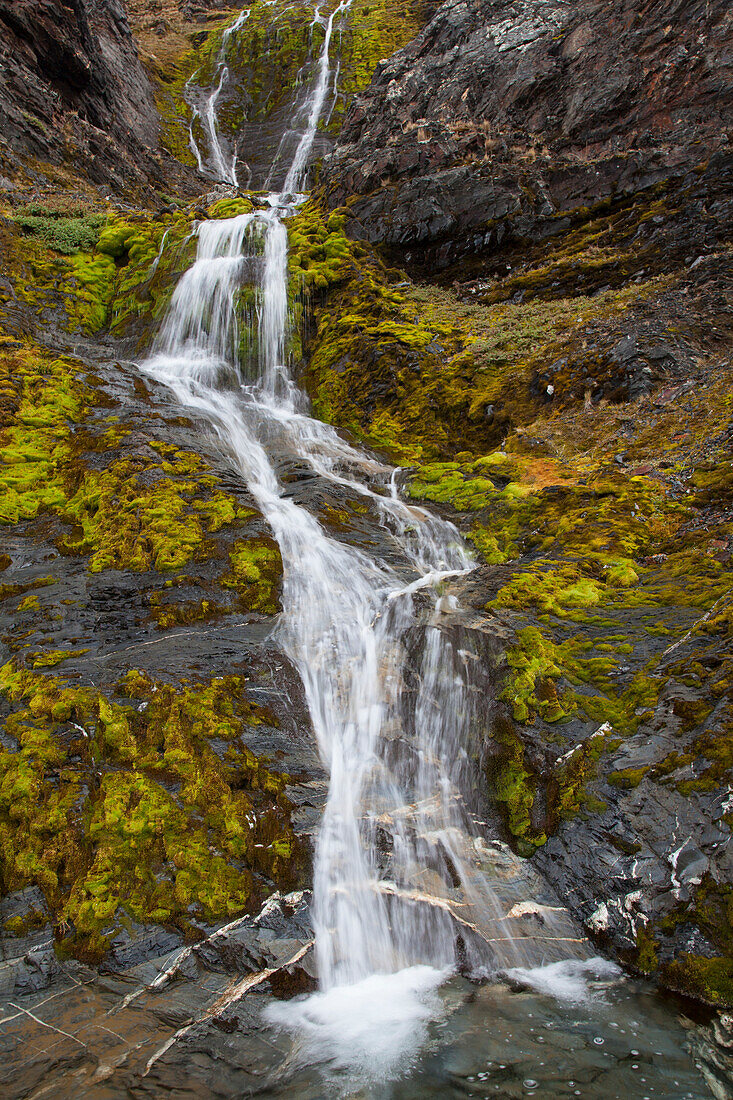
<point>203,104</point>
<point>401,889</point>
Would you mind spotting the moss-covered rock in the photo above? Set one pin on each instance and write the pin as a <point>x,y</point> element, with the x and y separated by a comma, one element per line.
<point>133,513</point>
<point>145,802</point>
<point>118,277</point>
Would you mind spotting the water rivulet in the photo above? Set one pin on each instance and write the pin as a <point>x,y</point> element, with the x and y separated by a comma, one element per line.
<point>405,890</point>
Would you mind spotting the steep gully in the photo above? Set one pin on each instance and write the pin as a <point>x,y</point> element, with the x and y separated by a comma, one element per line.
<point>402,886</point>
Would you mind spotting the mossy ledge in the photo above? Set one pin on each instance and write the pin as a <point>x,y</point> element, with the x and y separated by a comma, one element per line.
<point>143,803</point>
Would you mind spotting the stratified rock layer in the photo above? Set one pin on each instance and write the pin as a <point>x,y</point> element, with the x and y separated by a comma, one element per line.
<point>504,116</point>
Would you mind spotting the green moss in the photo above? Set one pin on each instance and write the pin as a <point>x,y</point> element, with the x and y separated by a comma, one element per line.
<point>22,926</point>
<point>87,811</point>
<point>570,791</point>
<point>89,288</point>
<point>449,374</point>
<point>319,251</point>
<point>647,959</point>
<point>35,447</point>
<point>7,590</point>
<point>558,591</point>
<point>231,208</point>
<point>488,545</point>
<point>512,785</point>
<point>128,520</point>
<point>449,483</point>
<point>63,232</point>
<point>628,778</point>
<point>255,572</point>
<point>52,657</point>
<point>112,277</point>
<point>623,574</point>
<point>149,256</point>
<point>530,689</point>
<point>29,603</point>
<point>132,514</point>
<point>709,980</point>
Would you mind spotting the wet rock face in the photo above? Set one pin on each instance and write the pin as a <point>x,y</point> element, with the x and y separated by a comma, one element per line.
<point>501,117</point>
<point>163,995</point>
<point>73,91</point>
<point>563,172</point>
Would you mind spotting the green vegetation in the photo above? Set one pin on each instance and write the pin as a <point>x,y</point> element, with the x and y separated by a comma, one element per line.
<point>319,252</point>
<point>449,376</point>
<point>87,811</point>
<point>155,511</point>
<point>42,395</point>
<point>513,784</point>
<point>254,574</point>
<point>116,275</point>
<point>66,234</point>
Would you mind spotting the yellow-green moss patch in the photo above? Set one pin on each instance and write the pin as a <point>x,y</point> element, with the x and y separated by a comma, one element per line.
<point>123,804</point>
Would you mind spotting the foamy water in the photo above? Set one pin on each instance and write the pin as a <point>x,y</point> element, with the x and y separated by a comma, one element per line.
<point>374,1028</point>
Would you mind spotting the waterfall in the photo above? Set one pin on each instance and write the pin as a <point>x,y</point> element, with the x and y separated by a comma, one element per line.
<point>203,107</point>
<point>401,886</point>
<point>296,173</point>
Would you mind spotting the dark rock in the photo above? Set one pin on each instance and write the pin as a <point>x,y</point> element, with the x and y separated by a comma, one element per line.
<point>74,93</point>
<point>503,117</point>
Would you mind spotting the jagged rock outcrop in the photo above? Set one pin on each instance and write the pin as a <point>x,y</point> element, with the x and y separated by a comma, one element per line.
<point>74,94</point>
<point>506,116</point>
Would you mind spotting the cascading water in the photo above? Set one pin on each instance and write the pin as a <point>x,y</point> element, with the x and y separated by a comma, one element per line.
<point>203,108</point>
<point>399,886</point>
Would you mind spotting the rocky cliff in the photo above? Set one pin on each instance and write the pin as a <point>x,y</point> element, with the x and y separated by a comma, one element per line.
<point>502,119</point>
<point>73,93</point>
